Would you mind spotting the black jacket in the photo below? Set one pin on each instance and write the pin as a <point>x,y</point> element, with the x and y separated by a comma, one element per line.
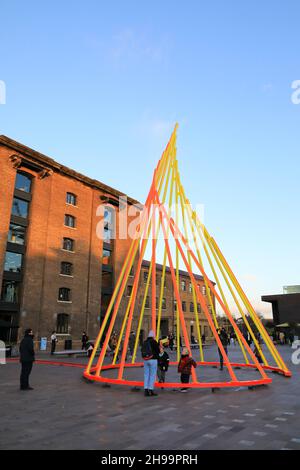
<point>163,361</point>
<point>27,349</point>
<point>154,347</point>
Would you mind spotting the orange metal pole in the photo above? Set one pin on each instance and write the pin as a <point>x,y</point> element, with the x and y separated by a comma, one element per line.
<point>177,294</point>
<point>176,229</point>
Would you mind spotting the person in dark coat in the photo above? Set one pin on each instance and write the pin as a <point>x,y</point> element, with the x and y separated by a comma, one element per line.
<point>224,340</point>
<point>150,355</point>
<point>27,358</point>
<point>132,339</point>
<point>84,340</point>
<point>162,363</point>
<point>171,341</point>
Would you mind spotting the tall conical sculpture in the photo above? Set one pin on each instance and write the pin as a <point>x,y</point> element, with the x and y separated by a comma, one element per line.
<point>193,247</point>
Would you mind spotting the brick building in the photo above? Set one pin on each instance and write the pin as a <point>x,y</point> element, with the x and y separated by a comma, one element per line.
<point>168,314</point>
<point>56,272</point>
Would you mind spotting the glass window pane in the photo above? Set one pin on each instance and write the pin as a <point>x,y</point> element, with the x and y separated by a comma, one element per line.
<point>13,262</point>
<point>68,244</point>
<point>71,199</point>
<point>20,208</point>
<point>62,324</point>
<point>107,216</point>
<point>64,294</point>
<point>66,269</point>
<point>107,280</point>
<point>10,291</point>
<point>106,258</point>
<point>16,234</point>
<point>69,221</point>
<point>107,235</point>
<point>23,183</point>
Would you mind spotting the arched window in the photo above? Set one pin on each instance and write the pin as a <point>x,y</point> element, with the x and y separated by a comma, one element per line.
<point>23,182</point>
<point>109,224</point>
<point>64,294</point>
<point>66,268</point>
<point>68,244</point>
<point>71,199</point>
<point>62,323</point>
<point>70,220</point>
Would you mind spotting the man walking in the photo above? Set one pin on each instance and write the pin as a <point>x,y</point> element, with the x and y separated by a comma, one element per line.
<point>27,358</point>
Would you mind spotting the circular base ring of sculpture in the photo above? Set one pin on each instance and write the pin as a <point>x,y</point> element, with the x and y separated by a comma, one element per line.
<point>135,383</point>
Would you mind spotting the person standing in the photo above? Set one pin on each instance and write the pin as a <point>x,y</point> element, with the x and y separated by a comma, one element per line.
<point>53,342</point>
<point>163,364</point>
<point>132,339</point>
<point>84,340</point>
<point>150,354</point>
<point>171,341</point>
<point>185,367</point>
<point>27,358</point>
<point>224,340</point>
<point>281,337</point>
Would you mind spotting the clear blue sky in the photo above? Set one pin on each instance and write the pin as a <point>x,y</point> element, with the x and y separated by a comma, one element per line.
<point>99,86</point>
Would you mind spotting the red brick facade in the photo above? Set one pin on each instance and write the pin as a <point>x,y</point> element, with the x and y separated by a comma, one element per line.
<point>39,280</point>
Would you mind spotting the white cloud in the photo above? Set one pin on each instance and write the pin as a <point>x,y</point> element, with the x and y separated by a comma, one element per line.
<point>129,45</point>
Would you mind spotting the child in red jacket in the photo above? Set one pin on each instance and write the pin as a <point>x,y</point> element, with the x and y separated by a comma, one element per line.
<point>185,367</point>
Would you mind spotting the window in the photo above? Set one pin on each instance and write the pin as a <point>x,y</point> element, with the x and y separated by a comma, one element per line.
<point>107,257</point>
<point>107,280</point>
<point>23,182</point>
<point>10,291</point>
<point>68,244</point>
<point>164,303</point>
<point>145,274</point>
<point>203,290</point>
<point>66,268</point>
<point>147,305</point>
<point>20,208</point>
<point>69,220</point>
<point>129,291</point>
<point>62,323</point>
<point>184,306</point>
<point>183,286</point>
<point>64,294</point>
<point>175,305</point>
<point>198,308</point>
<point>16,234</point>
<point>192,307</point>
<point>107,216</point>
<point>71,199</point>
<point>13,262</point>
<point>107,235</point>
<point>190,288</point>
<point>108,224</point>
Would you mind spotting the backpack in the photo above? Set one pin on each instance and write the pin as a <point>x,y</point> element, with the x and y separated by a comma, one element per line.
<point>147,353</point>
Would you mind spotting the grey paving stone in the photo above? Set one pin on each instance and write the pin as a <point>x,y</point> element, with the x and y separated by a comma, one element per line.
<point>64,412</point>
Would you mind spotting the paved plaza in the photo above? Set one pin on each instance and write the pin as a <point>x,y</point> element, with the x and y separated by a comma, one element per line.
<point>65,412</point>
